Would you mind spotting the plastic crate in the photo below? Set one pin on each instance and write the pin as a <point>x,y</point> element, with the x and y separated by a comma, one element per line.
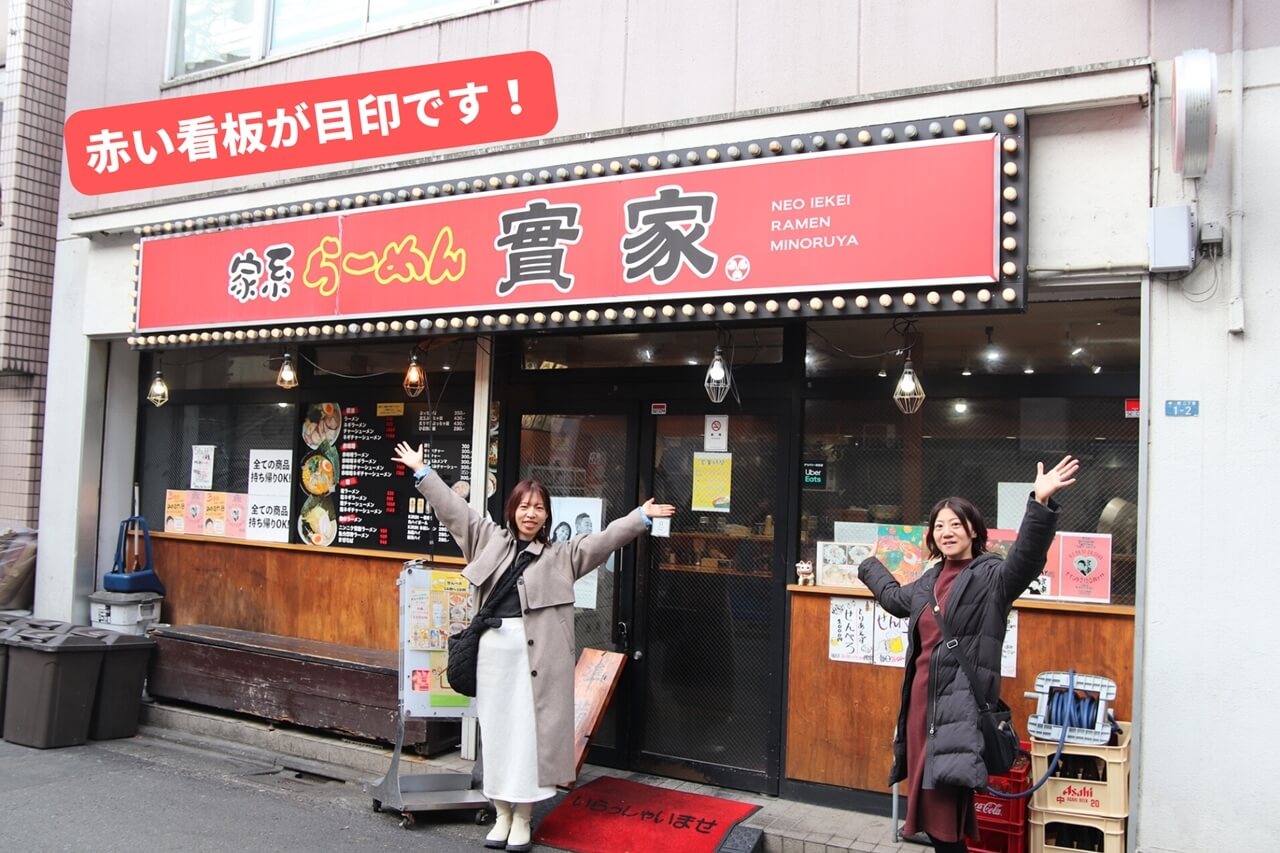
<point>112,609</point>
<point>999,838</point>
<point>1057,831</point>
<point>1095,780</point>
<point>998,811</point>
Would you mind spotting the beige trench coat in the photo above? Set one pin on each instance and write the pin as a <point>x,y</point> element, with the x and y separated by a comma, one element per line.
<point>546,597</point>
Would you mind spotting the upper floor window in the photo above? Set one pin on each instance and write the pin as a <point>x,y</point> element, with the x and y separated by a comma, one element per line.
<point>213,33</point>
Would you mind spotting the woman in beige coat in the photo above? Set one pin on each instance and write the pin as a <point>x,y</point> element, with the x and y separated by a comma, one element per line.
<point>524,673</point>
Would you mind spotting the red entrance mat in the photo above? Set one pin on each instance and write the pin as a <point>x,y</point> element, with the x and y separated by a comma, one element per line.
<point>609,815</point>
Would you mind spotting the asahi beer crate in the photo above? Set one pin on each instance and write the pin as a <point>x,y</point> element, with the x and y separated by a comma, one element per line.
<point>1089,780</point>
<point>1052,831</point>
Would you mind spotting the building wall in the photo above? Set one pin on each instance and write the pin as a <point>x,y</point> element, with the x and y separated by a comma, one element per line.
<point>663,73</point>
<point>30,152</point>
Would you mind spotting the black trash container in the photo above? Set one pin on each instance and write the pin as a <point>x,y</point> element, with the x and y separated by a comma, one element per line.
<point>51,683</point>
<point>6,631</point>
<point>31,623</point>
<point>118,700</point>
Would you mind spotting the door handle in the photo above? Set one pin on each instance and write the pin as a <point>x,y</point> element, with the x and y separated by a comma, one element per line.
<point>623,641</point>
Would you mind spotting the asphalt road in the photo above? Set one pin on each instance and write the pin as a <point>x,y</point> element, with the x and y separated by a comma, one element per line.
<point>152,795</point>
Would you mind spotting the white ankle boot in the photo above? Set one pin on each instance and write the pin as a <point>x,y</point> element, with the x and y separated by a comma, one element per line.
<point>519,840</point>
<point>497,837</point>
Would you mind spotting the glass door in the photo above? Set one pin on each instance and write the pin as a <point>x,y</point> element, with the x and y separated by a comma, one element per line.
<point>707,683</point>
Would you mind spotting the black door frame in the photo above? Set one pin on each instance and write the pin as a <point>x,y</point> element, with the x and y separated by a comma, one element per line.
<point>776,389</point>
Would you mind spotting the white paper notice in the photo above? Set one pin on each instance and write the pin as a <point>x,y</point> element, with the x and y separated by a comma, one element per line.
<point>1009,652</point>
<point>268,519</point>
<point>270,473</point>
<point>856,531</point>
<point>1011,503</point>
<point>585,588</point>
<point>850,630</point>
<point>202,466</point>
<point>661,527</point>
<point>890,639</point>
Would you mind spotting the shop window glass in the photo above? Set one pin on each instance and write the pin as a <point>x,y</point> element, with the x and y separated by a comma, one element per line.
<point>213,33</point>
<point>868,466</point>
<point>650,349</point>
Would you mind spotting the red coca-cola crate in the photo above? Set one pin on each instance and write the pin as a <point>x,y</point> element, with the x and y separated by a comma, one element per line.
<point>1003,813</point>
<point>999,838</point>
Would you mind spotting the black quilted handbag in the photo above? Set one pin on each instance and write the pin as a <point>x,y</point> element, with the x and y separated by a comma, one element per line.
<point>464,646</point>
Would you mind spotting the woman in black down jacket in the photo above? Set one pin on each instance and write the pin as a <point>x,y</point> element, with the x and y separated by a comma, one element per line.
<point>938,745</point>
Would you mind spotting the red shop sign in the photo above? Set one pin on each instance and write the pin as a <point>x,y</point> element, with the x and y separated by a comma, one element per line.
<point>290,125</point>
<point>925,212</point>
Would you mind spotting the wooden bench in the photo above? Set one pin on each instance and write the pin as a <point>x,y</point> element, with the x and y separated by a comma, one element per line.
<point>337,688</point>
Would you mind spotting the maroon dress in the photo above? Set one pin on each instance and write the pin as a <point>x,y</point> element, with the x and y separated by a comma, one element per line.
<point>944,812</point>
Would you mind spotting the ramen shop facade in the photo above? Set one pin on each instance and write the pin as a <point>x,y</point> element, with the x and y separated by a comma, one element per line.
<point>801,316</point>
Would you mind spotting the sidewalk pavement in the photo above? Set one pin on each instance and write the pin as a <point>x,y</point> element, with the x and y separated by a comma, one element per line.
<point>788,826</point>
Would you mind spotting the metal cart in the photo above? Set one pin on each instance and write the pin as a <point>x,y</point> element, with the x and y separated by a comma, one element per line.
<point>420,792</point>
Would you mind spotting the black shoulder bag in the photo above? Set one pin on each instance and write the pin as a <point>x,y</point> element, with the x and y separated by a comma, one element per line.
<point>464,646</point>
<point>1000,739</point>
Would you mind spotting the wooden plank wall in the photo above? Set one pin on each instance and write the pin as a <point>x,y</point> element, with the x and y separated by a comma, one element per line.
<point>337,596</point>
<point>841,716</point>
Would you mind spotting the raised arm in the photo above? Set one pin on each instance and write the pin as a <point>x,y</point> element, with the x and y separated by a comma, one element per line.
<point>470,529</point>
<point>1035,534</point>
<point>589,551</point>
<point>891,595</point>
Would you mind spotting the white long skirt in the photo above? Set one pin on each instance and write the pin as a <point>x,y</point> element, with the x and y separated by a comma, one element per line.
<point>504,705</point>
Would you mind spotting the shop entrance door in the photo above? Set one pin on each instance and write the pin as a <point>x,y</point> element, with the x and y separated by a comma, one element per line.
<point>700,612</point>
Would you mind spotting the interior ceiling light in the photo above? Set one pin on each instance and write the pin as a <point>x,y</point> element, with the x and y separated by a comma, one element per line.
<point>1097,368</point>
<point>287,377</point>
<point>992,352</point>
<point>158,393</point>
<point>882,373</point>
<point>415,380</point>
<point>719,379</point>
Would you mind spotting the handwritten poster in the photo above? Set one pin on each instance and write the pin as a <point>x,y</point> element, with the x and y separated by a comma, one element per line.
<point>202,466</point>
<point>712,482</point>
<point>890,639</point>
<point>838,563</point>
<point>850,630</point>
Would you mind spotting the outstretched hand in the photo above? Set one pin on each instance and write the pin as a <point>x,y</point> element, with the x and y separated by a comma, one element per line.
<point>409,456</point>
<point>1058,477</point>
<point>653,510</point>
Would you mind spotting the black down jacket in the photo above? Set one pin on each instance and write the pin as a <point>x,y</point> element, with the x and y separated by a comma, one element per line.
<point>976,613</point>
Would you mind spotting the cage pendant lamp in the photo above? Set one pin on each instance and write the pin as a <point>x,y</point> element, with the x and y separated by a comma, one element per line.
<point>415,380</point>
<point>158,393</point>
<point>719,379</point>
<point>287,377</point>
<point>908,394</point>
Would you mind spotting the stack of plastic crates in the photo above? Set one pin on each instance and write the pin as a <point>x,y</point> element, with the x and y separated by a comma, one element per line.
<point>1002,823</point>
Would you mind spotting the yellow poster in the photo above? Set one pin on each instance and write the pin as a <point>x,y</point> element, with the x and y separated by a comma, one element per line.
<point>215,514</point>
<point>712,481</point>
<point>175,510</point>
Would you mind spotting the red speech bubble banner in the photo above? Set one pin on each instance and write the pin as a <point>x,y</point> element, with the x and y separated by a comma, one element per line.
<point>315,122</point>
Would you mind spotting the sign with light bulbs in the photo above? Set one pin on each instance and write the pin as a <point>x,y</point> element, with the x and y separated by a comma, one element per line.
<point>928,213</point>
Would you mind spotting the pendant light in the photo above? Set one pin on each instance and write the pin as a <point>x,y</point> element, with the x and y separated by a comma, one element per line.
<point>158,393</point>
<point>415,380</point>
<point>908,394</point>
<point>719,378</point>
<point>287,377</point>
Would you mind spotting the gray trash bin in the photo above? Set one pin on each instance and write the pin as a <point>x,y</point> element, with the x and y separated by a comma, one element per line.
<point>31,623</point>
<point>50,687</point>
<point>118,700</point>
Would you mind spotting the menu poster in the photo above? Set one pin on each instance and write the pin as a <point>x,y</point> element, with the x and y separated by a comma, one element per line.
<point>236,525</point>
<point>215,514</point>
<point>355,495</point>
<point>175,510</point>
<point>1085,567</point>
<point>712,482</point>
<point>202,466</point>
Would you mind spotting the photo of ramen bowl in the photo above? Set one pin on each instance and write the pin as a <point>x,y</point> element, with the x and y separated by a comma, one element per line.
<point>319,474</point>
<point>318,521</point>
<point>322,424</point>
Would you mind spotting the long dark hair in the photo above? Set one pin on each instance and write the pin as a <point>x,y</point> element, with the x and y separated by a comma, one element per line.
<point>968,513</point>
<point>523,490</point>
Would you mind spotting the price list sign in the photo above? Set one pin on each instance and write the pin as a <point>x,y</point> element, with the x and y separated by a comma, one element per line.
<point>366,488</point>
